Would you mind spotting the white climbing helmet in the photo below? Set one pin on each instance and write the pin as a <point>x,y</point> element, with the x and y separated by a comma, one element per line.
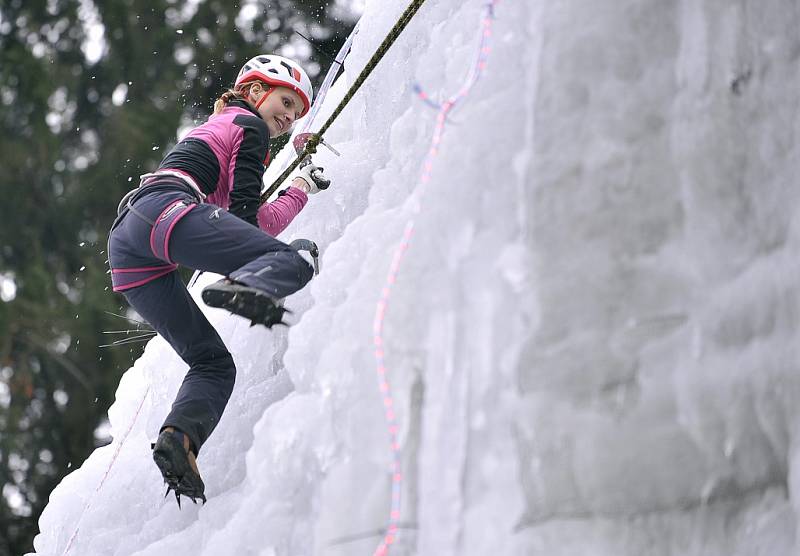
<point>280,72</point>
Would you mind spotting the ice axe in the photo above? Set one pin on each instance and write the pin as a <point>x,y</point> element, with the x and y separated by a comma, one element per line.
<point>299,143</point>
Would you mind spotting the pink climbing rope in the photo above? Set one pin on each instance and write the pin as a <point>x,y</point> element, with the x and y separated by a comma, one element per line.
<point>390,536</point>
<point>108,471</point>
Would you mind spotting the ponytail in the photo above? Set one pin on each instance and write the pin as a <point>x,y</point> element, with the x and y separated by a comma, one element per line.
<point>226,97</point>
<point>240,92</point>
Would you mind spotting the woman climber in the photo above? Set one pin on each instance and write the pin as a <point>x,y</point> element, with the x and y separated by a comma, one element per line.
<point>201,209</point>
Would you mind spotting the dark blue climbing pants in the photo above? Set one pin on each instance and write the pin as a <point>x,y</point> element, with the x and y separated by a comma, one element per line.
<point>204,238</point>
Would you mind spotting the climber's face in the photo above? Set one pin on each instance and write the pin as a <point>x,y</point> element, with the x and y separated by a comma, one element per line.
<point>279,106</point>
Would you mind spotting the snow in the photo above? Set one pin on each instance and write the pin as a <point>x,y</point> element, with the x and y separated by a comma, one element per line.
<point>591,342</point>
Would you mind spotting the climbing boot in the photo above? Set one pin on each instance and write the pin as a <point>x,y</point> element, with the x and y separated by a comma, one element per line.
<point>247,302</point>
<point>176,461</point>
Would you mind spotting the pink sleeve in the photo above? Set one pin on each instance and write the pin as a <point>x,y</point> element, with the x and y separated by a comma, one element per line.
<point>275,216</point>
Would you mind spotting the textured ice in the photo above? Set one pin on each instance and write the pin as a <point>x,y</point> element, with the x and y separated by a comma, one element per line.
<point>592,340</point>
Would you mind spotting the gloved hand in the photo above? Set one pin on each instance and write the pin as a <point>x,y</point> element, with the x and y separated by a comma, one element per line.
<point>314,177</point>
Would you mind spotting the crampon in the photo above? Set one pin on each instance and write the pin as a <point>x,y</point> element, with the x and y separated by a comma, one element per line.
<point>246,302</point>
<point>173,460</point>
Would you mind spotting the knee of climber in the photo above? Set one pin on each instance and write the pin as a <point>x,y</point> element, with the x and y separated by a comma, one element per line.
<point>208,357</point>
<point>205,345</point>
<point>217,375</point>
<point>226,368</point>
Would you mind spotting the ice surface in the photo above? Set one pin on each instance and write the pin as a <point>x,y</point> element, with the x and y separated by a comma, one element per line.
<point>592,339</point>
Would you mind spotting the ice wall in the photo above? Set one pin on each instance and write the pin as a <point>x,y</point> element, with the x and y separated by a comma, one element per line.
<point>592,338</point>
<point>659,390</point>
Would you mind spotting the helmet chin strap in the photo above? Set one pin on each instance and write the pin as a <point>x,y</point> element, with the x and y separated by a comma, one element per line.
<point>264,97</point>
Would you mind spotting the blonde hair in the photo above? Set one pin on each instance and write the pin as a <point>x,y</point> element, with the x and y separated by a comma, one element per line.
<point>239,92</point>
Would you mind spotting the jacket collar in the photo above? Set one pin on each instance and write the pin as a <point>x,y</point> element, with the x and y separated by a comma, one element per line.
<point>239,103</point>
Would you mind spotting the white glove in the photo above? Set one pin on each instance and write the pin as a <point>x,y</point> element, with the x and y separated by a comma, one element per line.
<point>314,177</point>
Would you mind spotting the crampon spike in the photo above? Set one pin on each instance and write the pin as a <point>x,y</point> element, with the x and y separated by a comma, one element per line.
<point>172,460</point>
<point>253,304</point>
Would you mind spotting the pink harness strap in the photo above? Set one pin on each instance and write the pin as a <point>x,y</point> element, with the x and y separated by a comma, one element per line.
<point>163,226</point>
<point>126,278</point>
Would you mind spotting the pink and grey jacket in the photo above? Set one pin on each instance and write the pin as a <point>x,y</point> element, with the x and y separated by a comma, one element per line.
<point>226,157</point>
